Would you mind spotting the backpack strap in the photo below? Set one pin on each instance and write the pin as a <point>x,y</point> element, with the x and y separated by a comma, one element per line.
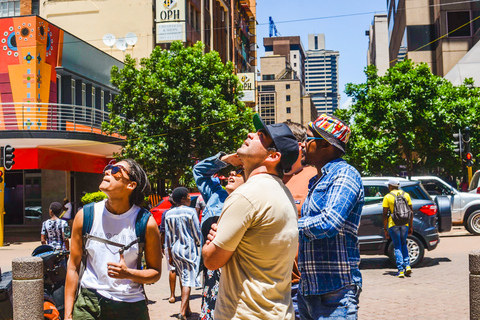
<point>140,230</point>
<point>88,215</point>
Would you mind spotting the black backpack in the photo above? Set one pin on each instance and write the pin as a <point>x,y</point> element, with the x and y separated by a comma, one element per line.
<point>401,210</point>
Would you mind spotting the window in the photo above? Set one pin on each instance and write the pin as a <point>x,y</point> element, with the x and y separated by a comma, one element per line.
<point>288,98</point>
<point>289,110</point>
<point>72,91</point>
<point>267,88</point>
<point>375,194</point>
<point>84,101</point>
<point>35,7</point>
<point>267,107</point>
<point>268,77</point>
<point>102,103</point>
<point>287,86</point>
<point>84,94</point>
<point>294,56</point>
<point>294,64</point>
<point>456,20</point>
<point>9,8</point>
<point>419,36</point>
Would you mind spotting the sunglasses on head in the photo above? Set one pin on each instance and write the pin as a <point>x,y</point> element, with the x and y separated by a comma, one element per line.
<point>115,168</point>
<point>237,173</point>
<point>307,138</point>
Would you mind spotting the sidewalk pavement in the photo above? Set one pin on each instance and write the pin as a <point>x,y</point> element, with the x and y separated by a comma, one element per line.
<point>157,293</point>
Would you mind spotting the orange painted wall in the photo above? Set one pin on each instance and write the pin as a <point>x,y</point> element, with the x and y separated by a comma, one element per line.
<point>30,50</point>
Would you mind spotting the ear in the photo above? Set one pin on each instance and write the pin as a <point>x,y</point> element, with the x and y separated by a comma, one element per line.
<point>132,185</point>
<point>274,157</point>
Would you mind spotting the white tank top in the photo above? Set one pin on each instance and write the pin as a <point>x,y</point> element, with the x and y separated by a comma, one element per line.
<point>121,229</point>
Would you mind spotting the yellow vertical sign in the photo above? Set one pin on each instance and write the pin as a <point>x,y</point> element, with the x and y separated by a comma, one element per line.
<point>2,206</point>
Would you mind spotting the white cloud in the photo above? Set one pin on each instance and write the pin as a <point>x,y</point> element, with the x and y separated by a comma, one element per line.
<point>347,104</point>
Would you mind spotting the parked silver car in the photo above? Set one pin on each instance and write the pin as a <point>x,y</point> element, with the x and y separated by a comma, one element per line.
<point>465,205</point>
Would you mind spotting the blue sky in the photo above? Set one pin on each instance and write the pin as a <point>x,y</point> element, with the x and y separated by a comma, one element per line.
<point>345,34</point>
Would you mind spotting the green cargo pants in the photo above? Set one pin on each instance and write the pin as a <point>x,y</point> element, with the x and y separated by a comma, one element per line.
<point>92,306</point>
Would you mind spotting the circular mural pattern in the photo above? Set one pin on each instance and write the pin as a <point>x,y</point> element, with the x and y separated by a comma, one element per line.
<point>25,32</point>
<point>12,42</point>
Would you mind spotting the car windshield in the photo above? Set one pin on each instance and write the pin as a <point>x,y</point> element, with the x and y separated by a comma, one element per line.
<point>474,182</point>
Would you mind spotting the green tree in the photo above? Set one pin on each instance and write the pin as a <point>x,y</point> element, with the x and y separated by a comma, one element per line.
<point>177,107</point>
<point>407,117</point>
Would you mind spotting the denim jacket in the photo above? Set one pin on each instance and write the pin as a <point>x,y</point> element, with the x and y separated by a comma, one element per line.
<point>212,192</point>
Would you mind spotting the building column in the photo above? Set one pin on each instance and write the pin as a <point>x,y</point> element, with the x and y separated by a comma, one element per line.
<point>202,22</point>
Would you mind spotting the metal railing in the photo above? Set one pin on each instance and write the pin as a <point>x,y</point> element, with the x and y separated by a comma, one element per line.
<point>51,116</point>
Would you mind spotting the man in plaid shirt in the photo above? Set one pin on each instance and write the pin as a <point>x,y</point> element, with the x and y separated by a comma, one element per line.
<point>329,255</point>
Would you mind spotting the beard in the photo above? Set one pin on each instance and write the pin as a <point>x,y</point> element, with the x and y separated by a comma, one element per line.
<point>304,162</point>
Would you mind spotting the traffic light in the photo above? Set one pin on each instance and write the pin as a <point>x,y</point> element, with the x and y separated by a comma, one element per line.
<point>469,158</point>
<point>458,141</point>
<point>8,156</point>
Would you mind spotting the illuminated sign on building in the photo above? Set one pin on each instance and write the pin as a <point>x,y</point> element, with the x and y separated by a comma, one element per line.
<point>170,18</point>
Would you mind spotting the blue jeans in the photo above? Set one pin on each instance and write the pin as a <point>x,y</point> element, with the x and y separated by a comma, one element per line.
<point>340,304</point>
<point>295,294</point>
<point>399,238</point>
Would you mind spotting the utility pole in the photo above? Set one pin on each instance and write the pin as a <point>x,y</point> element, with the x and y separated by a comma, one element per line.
<point>6,162</point>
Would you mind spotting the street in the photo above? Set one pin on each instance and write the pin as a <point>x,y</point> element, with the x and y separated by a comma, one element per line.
<point>437,289</point>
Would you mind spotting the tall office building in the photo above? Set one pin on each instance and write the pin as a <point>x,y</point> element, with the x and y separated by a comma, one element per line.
<point>281,95</point>
<point>321,74</point>
<point>437,32</point>
<point>378,44</point>
<point>292,49</point>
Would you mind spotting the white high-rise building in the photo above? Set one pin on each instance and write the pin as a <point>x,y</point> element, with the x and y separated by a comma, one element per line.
<point>321,74</point>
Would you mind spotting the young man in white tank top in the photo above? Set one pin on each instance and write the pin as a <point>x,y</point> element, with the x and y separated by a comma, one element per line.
<point>111,286</point>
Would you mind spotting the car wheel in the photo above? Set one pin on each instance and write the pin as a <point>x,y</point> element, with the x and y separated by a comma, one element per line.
<point>416,251</point>
<point>473,223</point>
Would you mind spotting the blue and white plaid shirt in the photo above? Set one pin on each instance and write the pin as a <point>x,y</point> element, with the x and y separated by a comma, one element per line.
<point>328,255</point>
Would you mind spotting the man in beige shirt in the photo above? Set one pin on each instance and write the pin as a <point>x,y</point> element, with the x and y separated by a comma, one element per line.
<point>256,238</point>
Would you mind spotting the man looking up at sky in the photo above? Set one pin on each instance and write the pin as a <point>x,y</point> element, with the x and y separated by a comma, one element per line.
<point>328,253</point>
<point>256,238</point>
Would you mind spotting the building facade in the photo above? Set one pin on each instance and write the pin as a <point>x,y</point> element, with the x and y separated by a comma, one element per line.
<point>321,74</point>
<point>438,32</point>
<point>281,96</point>
<point>378,44</point>
<point>54,91</point>
<point>120,27</point>
<point>292,49</point>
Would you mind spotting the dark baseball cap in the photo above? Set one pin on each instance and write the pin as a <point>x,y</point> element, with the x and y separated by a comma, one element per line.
<point>284,141</point>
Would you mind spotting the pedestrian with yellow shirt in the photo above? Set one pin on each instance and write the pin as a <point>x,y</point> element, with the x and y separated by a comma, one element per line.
<point>398,224</point>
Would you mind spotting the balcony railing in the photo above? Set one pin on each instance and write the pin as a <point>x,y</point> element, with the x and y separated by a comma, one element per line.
<point>51,116</point>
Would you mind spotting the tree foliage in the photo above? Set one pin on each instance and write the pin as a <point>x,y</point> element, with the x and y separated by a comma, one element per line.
<point>177,107</point>
<point>407,118</point>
